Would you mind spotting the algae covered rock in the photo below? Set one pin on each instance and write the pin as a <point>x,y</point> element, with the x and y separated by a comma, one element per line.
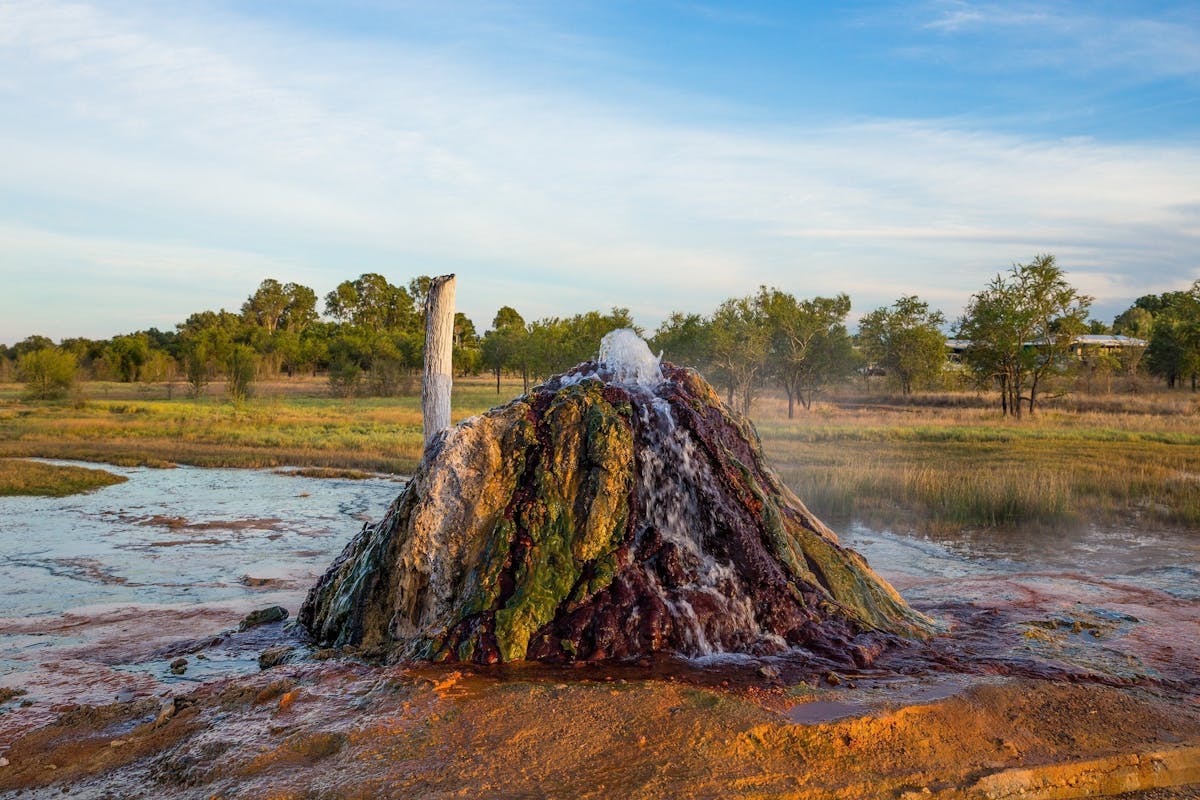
<point>614,512</point>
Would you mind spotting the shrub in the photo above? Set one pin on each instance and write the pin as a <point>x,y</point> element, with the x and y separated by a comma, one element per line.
<point>48,373</point>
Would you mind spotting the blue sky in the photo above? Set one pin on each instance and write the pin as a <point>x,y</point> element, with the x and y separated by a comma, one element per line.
<point>160,158</point>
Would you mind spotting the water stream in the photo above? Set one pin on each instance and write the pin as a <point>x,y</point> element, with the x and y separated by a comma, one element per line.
<point>96,589</point>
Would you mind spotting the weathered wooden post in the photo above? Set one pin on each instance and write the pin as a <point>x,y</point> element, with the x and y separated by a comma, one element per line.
<point>439,356</point>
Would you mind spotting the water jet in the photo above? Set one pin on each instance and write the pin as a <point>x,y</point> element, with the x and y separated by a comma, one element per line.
<point>616,511</point>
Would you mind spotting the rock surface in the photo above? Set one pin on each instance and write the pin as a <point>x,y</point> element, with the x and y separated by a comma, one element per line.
<point>593,519</point>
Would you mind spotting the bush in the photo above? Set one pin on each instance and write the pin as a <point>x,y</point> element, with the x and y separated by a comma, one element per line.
<point>49,373</point>
<point>241,365</point>
<point>344,376</point>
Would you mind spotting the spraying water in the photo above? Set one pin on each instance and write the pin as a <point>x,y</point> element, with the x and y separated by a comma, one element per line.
<point>628,359</point>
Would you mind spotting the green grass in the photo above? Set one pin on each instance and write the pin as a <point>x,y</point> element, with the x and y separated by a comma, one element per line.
<point>948,466</point>
<point>21,477</point>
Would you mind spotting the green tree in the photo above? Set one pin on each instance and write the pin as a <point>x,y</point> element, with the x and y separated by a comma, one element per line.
<point>372,303</point>
<point>685,340</point>
<point>906,340</point>
<point>29,344</point>
<point>266,306</point>
<point>1174,350</point>
<point>48,372</point>
<point>127,354</point>
<point>741,340</point>
<point>1021,328</point>
<point>808,343</point>
<point>502,346</point>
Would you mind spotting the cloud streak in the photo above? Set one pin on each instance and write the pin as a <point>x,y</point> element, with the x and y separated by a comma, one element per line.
<point>147,148</point>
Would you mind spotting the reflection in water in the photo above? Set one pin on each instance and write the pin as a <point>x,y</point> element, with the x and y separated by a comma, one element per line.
<point>100,592</point>
<point>96,588</point>
<point>184,535</point>
<point>1163,560</point>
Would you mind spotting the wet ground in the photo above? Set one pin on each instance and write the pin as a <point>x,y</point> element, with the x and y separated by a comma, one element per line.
<point>1061,644</point>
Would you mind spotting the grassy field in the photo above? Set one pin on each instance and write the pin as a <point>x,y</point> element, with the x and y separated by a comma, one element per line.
<point>19,477</point>
<point>948,461</point>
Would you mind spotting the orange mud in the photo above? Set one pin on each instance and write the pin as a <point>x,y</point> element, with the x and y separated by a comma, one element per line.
<point>341,729</point>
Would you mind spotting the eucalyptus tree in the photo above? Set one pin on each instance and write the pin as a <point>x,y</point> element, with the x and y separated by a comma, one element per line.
<point>503,346</point>
<point>685,340</point>
<point>740,340</point>
<point>1174,351</point>
<point>1021,328</point>
<point>906,340</point>
<point>808,344</point>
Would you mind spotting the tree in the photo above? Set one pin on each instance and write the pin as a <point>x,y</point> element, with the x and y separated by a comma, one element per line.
<point>1138,323</point>
<point>501,347</point>
<point>371,302</point>
<point>808,343</point>
<point>267,305</point>
<point>906,340</point>
<point>685,339</point>
<point>1021,328</point>
<point>127,354</point>
<point>741,340</point>
<point>1174,350</point>
<point>48,373</point>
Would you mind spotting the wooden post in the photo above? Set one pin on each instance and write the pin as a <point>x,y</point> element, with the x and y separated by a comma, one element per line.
<point>439,353</point>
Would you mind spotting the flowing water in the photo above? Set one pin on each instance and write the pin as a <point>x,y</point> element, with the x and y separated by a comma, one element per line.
<point>96,588</point>
<point>100,592</point>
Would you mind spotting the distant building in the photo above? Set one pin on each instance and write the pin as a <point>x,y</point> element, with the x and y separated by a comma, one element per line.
<point>1105,343</point>
<point>1088,342</point>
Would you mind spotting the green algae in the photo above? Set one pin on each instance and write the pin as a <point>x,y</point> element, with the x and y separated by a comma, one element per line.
<point>579,514</point>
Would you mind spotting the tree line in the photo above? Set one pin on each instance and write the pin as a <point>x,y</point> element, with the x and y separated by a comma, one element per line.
<point>1020,334</point>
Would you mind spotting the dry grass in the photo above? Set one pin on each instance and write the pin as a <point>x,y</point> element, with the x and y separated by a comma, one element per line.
<point>952,461</point>
<point>946,460</point>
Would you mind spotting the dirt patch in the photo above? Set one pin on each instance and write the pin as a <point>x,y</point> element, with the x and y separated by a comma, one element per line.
<point>343,729</point>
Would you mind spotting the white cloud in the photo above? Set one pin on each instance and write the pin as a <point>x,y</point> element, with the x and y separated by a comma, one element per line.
<point>221,143</point>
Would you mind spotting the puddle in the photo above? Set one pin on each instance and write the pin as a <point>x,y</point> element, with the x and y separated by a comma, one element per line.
<point>874,698</point>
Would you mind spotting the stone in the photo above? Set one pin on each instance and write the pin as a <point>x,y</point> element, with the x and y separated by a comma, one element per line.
<point>593,519</point>
<point>179,666</point>
<point>165,712</point>
<point>263,616</point>
<point>274,656</point>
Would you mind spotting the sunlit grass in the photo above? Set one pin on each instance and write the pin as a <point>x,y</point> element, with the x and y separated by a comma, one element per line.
<point>950,462</point>
<point>21,477</point>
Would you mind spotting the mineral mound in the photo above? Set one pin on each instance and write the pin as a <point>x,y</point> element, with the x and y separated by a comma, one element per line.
<point>616,511</point>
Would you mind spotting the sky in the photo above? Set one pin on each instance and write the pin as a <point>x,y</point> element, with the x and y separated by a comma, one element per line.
<point>162,158</point>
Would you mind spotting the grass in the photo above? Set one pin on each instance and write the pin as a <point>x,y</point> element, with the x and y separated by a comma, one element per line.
<point>948,465</point>
<point>945,461</point>
<point>21,477</point>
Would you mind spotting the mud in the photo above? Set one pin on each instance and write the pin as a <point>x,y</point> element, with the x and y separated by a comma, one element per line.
<point>346,730</point>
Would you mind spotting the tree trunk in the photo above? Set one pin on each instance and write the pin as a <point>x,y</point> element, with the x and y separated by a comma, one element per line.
<point>791,401</point>
<point>439,353</point>
<point>497,380</point>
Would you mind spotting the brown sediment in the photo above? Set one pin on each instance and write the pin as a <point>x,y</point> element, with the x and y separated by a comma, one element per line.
<point>183,523</point>
<point>346,730</point>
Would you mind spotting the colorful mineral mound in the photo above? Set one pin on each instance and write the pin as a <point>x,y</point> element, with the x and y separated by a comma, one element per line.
<point>616,511</point>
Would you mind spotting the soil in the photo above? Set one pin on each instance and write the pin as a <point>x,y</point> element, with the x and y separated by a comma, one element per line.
<point>343,729</point>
